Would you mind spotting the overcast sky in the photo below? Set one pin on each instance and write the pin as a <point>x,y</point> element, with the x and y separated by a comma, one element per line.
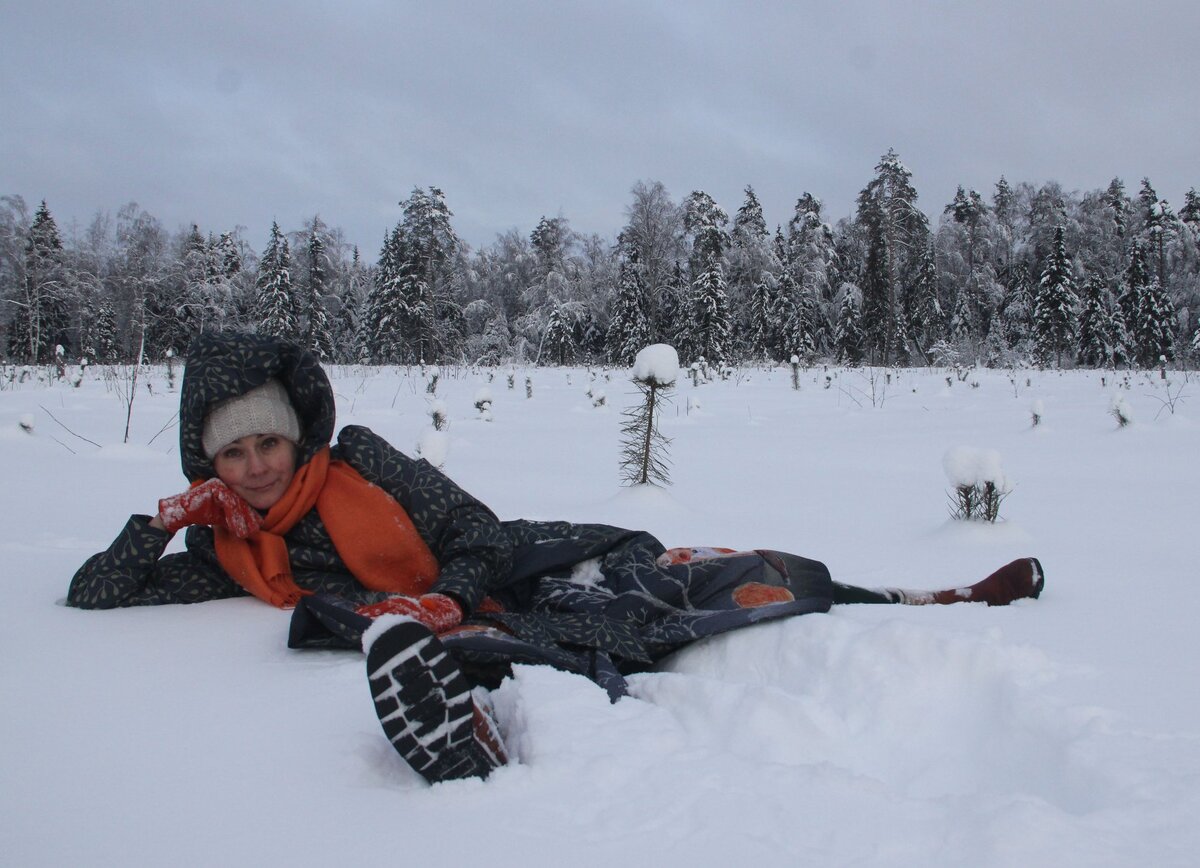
<point>240,112</point>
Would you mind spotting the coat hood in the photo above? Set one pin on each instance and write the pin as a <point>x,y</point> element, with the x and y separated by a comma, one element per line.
<point>223,365</point>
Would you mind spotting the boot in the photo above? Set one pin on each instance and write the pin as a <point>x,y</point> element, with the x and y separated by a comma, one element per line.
<point>425,704</point>
<point>1019,580</point>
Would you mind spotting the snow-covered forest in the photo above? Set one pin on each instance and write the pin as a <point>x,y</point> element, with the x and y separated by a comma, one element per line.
<point>1021,275</point>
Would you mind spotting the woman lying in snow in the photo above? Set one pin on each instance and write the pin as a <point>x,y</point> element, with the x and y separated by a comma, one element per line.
<point>355,535</point>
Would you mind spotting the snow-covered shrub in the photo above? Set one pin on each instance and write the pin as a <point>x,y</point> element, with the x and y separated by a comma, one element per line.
<point>978,483</point>
<point>432,384</point>
<point>483,403</point>
<point>433,447</point>
<point>1119,409</point>
<point>643,450</point>
<point>1036,412</point>
<point>528,387</point>
<point>796,373</point>
<point>439,415</point>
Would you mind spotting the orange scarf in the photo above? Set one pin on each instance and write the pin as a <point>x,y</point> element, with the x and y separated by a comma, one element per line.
<point>370,531</point>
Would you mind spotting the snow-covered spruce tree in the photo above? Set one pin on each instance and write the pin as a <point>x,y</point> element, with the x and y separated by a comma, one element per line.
<point>275,294</point>
<point>317,332</point>
<point>1154,325</point>
<point>1118,204</point>
<point>1133,284</point>
<point>1015,313</point>
<point>558,340</point>
<point>708,320</point>
<point>896,233</point>
<point>1054,305</point>
<point>925,317</point>
<point>763,338</point>
<point>812,257</point>
<point>848,336</point>
<point>431,319</point>
<point>629,328</point>
<point>381,331</point>
<point>797,314</point>
<point>1159,227</point>
<point>410,312</point>
<point>1096,329</point>
<point>104,333</point>
<point>644,448</point>
<point>197,269</point>
<point>751,261</point>
<point>41,319</point>
<point>1189,214</point>
<point>1004,213</point>
<point>969,211</point>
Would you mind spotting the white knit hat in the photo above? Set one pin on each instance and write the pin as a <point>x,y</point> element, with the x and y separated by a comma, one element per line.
<point>264,410</point>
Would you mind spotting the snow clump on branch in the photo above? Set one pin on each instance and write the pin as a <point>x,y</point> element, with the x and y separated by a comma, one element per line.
<point>657,365</point>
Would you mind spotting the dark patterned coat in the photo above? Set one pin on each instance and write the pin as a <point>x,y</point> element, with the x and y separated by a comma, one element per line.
<point>588,598</point>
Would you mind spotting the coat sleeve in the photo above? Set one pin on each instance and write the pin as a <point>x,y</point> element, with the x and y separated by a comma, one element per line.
<point>473,550</point>
<point>134,572</point>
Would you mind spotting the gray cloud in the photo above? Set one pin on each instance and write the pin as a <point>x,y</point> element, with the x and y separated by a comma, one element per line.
<point>239,113</point>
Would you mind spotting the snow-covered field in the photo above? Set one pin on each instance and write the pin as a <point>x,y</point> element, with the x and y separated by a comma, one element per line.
<point>1063,731</point>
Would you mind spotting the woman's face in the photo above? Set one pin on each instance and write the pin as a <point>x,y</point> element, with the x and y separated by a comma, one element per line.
<point>259,467</point>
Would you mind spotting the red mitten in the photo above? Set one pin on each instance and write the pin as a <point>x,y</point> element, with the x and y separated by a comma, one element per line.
<point>436,611</point>
<point>213,503</point>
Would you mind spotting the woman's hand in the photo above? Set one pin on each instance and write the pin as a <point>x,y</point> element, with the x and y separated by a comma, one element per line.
<point>212,503</point>
<point>436,611</point>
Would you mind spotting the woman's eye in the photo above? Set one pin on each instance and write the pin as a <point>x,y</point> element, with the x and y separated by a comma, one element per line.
<point>231,454</point>
<point>268,443</point>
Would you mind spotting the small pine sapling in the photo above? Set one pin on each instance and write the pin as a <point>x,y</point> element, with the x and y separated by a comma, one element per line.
<point>1036,412</point>
<point>528,388</point>
<point>432,384</point>
<point>796,373</point>
<point>644,448</point>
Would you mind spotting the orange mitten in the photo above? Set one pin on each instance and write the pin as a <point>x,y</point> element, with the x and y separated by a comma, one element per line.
<point>213,503</point>
<point>436,611</point>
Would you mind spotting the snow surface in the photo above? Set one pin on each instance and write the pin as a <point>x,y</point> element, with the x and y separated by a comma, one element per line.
<point>1063,731</point>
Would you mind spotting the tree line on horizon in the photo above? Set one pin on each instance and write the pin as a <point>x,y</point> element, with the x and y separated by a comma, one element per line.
<point>1024,276</point>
